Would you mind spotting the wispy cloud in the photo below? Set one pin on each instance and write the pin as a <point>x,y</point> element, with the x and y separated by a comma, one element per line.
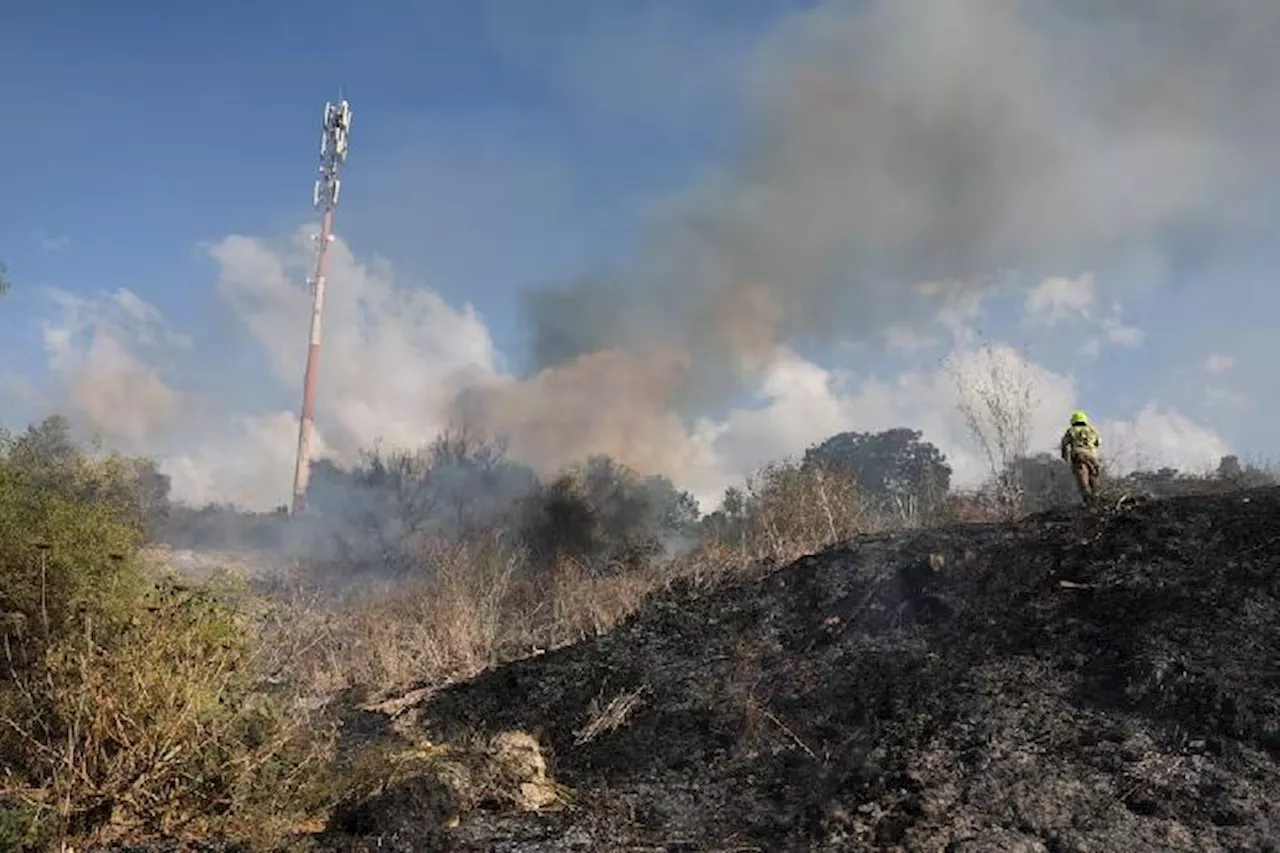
<point>1224,400</point>
<point>52,243</point>
<point>1059,298</point>
<point>1219,363</point>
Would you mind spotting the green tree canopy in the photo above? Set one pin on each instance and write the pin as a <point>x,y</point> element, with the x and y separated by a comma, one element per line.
<point>888,465</point>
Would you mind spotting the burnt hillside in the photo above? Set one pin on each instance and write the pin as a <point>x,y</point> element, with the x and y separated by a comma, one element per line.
<point>1071,682</point>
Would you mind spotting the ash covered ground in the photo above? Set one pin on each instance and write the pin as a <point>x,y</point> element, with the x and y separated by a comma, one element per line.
<point>1075,681</point>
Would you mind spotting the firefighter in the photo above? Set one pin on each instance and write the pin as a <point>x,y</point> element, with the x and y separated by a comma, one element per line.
<point>1080,446</point>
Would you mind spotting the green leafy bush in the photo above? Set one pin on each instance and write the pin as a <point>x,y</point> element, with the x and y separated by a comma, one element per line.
<point>130,704</point>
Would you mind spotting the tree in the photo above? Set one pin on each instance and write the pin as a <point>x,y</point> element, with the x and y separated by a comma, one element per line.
<point>788,508</point>
<point>1044,481</point>
<point>50,460</point>
<point>1229,468</point>
<point>895,468</point>
<point>45,447</point>
<point>4,279</point>
<point>473,482</point>
<point>1231,471</point>
<point>997,395</point>
<point>728,523</point>
<point>453,486</point>
<point>606,516</point>
<point>675,512</point>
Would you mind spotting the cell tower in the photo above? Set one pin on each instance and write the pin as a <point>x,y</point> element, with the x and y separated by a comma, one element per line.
<point>333,155</point>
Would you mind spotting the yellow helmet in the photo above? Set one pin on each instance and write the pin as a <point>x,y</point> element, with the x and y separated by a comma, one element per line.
<point>1079,418</point>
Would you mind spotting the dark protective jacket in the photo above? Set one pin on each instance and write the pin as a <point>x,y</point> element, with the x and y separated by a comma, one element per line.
<point>1080,440</point>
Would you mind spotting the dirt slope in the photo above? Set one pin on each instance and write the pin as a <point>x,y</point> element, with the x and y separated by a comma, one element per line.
<point>941,691</point>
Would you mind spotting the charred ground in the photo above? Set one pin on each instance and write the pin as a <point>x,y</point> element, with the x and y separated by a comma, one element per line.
<point>1075,681</point>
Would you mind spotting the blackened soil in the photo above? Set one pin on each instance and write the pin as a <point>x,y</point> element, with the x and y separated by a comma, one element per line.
<point>941,691</point>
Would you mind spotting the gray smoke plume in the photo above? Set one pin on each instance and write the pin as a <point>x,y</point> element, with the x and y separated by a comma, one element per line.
<point>889,145</point>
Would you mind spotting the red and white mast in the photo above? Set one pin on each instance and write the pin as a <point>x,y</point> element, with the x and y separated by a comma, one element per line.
<point>333,154</point>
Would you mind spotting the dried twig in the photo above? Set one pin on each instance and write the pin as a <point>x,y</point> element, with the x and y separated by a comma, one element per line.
<point>794,737</point>
<point>613,715</point>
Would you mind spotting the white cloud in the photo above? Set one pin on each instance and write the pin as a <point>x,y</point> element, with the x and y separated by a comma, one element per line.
<point>1120,333</point>
<point>393,359</point>
<point>908,340</point>
<point>1218,363</point>
<point>52,243</point>
<point>1059,298</point>
<point>960,307</point>
<point>1158,437</point>
<point>1115,332</point>
<point>800,403</point>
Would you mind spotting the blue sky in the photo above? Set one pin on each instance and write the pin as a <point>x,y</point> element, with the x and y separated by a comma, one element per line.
<point>504,146</point>
<point>150,127</point>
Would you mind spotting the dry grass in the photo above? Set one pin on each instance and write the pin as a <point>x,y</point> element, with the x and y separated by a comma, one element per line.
<point>469,610</point>
<point>163,730</point>
<point>473,606</point>
<point>794,509</point>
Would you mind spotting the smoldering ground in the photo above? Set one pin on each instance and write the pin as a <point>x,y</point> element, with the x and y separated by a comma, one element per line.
<point>896,157</point>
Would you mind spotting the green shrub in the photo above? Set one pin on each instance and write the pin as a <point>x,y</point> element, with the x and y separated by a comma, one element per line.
<point>130,705</point>
<point>21,829</point>
<point>68,536</point>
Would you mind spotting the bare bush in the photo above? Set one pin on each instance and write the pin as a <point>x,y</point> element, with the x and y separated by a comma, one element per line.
<point>997,397</point>
<point>793,509</point>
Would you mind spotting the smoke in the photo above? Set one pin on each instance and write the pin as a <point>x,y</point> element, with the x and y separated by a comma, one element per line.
<point>98,356</point>
<point>393,359</point>
<point>896,160</point>
<point>888,145</point>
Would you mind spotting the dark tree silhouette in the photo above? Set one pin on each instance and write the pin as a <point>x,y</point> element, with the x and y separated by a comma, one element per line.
<point>606,516</point>
<point>1044,481</point>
